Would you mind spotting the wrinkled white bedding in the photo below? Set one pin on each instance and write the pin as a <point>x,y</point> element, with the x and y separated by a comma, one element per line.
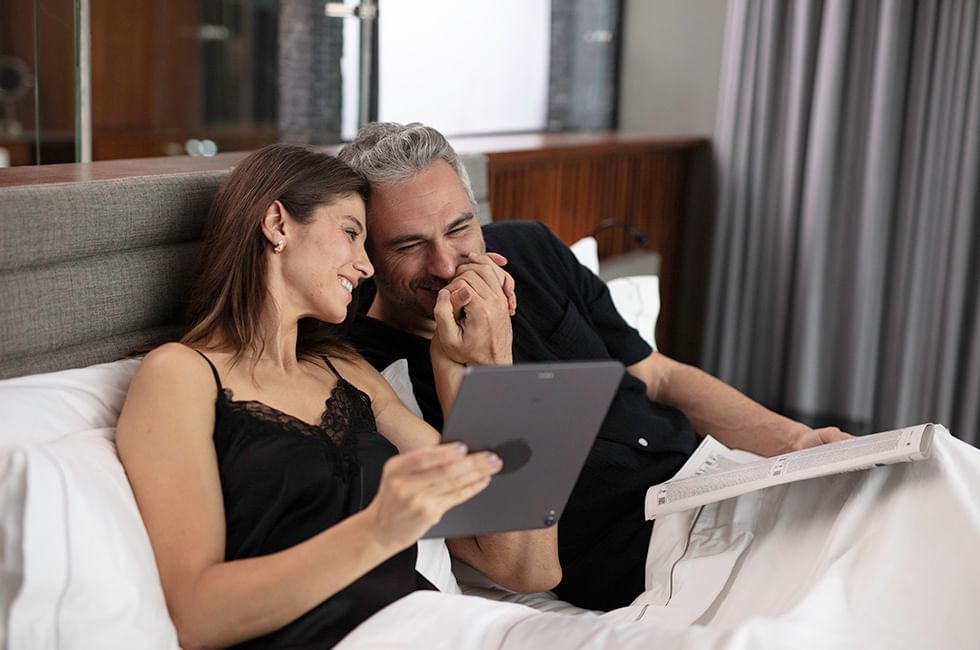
<point>885,558</point>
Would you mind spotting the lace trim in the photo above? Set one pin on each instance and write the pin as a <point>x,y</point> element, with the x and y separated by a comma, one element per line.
<point>344,411</point>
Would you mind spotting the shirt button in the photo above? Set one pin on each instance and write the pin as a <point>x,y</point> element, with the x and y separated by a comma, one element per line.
<point>643,442</point>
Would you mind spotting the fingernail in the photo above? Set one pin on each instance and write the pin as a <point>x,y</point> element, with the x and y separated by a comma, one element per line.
<point>461,449</point>
<point>494,459</point>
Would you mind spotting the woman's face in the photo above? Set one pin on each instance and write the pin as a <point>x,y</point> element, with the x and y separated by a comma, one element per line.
<point>325,259</point>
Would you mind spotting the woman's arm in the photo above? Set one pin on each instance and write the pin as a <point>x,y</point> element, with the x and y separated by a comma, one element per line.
<point>165,442</point>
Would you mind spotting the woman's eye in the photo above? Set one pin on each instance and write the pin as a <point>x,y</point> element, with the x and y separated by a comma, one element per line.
<point>352,234</point>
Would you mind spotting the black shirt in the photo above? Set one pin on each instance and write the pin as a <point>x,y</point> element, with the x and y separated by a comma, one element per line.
<point>565,313</point>
<point>284,480</point>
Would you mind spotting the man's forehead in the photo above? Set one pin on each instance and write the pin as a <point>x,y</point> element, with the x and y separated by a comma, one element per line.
<point>427,201</point>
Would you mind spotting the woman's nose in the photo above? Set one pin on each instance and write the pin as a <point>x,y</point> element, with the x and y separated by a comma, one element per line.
<point>363,264</point>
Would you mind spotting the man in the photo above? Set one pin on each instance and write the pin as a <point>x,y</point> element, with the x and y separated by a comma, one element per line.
<point>430,260</point>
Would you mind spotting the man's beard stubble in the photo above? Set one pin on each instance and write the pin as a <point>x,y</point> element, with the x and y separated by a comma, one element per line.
<point>410,301</point>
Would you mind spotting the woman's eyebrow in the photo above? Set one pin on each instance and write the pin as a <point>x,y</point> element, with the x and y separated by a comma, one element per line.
<point>354,220</point>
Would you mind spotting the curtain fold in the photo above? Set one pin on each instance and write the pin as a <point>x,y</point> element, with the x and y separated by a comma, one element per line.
<point>844,285</point>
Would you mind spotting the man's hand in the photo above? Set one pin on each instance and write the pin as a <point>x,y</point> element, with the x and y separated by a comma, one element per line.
<point>813,437</point>
<point>473,312</point>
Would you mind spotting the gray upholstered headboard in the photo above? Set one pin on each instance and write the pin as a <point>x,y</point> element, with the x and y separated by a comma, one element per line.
<point>90,271</point>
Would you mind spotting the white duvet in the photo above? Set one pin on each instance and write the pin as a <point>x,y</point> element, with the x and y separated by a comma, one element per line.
<point>883,558</point>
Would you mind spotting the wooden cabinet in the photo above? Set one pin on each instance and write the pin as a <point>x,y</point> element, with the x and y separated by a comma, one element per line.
<point>571,182</point>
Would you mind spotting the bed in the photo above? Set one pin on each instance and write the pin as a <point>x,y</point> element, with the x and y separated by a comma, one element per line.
<point>90,271</point>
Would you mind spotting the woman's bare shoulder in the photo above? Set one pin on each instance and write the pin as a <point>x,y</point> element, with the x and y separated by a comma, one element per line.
<point>173,364</point>
<point>171,397</point>
<point>172,356</point>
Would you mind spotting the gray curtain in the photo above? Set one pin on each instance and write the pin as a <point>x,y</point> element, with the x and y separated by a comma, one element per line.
<point>845,281</point>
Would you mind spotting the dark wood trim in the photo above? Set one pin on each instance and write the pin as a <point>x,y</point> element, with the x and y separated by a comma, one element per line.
<point>574,181</point>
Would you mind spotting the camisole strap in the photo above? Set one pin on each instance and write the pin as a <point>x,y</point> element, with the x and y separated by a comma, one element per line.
<point>332,369</point>
<point>214,371</point>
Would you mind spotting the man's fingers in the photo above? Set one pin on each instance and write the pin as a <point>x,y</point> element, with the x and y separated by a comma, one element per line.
<point>488,268</point>
<point>460,297</point>
<point>484,284</point>
<point>494,262</point>
<point>497,258</point>
<point>444,315</point>
<point>832,434</point>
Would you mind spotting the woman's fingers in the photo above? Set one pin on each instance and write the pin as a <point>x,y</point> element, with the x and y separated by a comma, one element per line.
<point>454,476</point>
<point>441,471</point>
<point>463,494</point>
<point>426,458</point>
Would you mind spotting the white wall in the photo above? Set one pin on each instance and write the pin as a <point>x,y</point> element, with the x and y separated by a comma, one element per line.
<point>483,65</point>
<point>670,65</point>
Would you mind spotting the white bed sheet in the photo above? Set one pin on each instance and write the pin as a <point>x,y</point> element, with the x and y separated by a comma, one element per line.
<point>886,558</point>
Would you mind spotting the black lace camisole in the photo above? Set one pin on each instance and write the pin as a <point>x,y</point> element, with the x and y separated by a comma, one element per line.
<point>284,480</point>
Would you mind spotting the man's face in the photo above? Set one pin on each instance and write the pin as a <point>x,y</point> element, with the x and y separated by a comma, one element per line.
<point>420,229</point>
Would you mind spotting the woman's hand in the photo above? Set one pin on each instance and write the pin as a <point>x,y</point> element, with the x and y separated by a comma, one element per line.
<point>418,487</point>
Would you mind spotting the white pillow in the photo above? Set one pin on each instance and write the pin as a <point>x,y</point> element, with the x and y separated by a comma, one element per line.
<point>88,576</point>
<point>586,251</point>
<point>13,497</point>
<point>90,579</point>
<point>433,560</point>
<point>637,299</point>
<point>47,406</point>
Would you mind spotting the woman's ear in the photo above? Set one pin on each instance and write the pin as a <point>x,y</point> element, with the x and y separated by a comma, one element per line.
<point>274,223</point>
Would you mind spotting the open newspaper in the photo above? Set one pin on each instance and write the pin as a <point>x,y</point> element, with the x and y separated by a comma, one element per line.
<point>715,472</point>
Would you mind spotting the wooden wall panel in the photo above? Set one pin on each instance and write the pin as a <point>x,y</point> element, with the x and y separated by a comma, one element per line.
<point>572,189</point>
<point>145,76</point>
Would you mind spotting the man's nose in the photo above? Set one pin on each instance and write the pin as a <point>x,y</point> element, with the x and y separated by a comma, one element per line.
<point>443,261</point>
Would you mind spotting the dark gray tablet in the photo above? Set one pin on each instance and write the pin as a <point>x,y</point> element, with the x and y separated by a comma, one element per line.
<point>541,419</point>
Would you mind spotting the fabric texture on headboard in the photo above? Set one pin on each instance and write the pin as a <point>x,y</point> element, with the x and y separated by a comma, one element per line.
<point>90,271</point>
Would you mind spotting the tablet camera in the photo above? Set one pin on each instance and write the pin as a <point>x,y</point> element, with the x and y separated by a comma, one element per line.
<point>515,454</point>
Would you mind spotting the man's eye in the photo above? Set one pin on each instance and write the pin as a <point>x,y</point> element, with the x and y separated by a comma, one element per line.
<point>408,248</point>
<point>458,231</point>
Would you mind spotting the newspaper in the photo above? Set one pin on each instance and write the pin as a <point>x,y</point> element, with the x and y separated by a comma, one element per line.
<point>715,472</point>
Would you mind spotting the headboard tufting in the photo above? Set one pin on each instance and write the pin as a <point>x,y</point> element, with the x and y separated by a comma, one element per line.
<point>89,271</point>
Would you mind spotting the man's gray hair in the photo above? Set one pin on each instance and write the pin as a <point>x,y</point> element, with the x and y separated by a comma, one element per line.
<point>387,151</point>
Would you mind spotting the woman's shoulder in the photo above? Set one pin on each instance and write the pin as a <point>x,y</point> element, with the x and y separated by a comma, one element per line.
<point>355,368</point>
<point>175,361</point>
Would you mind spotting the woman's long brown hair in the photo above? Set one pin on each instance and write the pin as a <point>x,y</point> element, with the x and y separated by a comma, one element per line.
<point>229,289</point>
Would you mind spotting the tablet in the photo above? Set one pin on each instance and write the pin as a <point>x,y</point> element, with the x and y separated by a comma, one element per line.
<point>541,419</point>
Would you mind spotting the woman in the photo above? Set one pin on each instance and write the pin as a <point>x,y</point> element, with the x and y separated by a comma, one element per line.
<point>278,514</point>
